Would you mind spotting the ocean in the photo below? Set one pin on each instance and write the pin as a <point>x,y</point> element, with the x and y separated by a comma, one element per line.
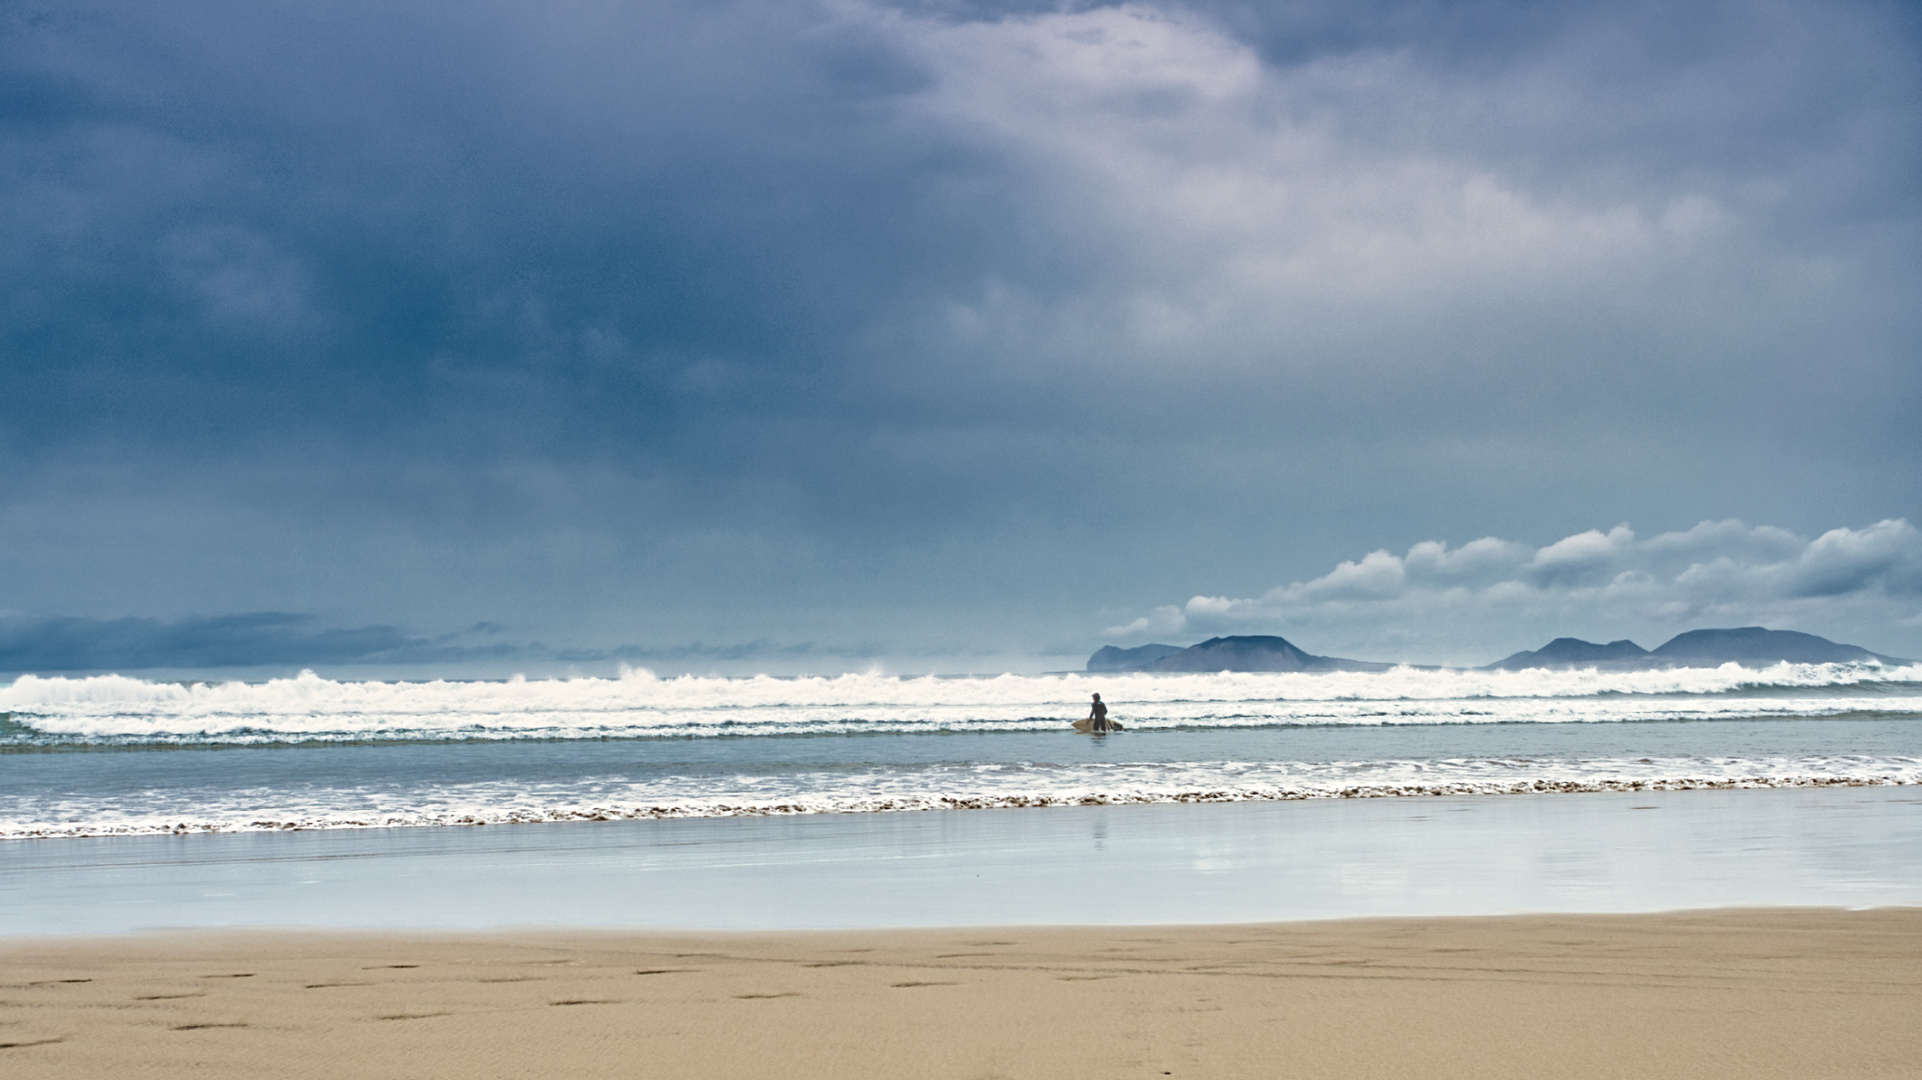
<point>118,756</point>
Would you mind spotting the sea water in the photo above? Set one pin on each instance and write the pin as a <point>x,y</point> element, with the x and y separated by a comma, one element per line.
<point>118,756</point>
<point>873,800</point>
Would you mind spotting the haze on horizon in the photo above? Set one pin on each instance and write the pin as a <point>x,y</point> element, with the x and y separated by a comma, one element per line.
<point>951,336</point>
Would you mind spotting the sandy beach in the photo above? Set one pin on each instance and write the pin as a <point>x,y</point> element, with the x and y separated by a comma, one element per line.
<point>1776,992</point>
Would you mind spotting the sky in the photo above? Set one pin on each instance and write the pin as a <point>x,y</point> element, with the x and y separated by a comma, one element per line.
<point>938,336</point>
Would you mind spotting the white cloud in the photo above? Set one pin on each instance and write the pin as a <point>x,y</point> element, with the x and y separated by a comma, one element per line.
<point>1242,209</point>
<point>1457,603</point>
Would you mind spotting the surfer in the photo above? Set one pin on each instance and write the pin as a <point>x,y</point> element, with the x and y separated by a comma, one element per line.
<point>1096,722</point>
<point>1098,715</point>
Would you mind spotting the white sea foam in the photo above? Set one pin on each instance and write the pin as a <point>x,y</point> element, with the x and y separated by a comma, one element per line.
<point>114,707</point>
<point>946,787</point>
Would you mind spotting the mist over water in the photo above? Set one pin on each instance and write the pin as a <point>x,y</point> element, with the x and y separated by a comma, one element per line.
<point>116,755</point>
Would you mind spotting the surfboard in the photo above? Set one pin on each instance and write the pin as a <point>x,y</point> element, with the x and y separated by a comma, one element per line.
<point>1086,727</point>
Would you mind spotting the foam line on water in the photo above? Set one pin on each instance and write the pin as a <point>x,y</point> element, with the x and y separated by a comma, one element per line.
<point>951,787</point>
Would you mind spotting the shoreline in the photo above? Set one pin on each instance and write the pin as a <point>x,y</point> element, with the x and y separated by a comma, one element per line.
<point>1238,862</point>
<point>1800,992</point>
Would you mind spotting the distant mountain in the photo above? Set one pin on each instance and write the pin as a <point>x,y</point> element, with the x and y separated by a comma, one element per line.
<point>1574,652</point>
<point>1244,653</point>
<point>1250,653</point>
<point>1747,645</point>
<point>1753,644</point>
<point>1109,658</point>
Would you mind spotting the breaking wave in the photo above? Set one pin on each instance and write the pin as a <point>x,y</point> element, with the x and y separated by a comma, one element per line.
<point>50,711</point>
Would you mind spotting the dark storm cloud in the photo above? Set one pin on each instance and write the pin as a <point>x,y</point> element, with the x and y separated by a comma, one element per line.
<point>221,641</point>
<point>593,231</point>
<point>810,322</point>
<point>240,219</point>
<point>264,639</point>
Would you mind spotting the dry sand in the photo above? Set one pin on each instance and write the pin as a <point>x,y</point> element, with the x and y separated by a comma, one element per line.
<point>1790,993</point>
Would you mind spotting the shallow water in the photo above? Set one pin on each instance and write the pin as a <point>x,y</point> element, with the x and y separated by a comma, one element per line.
<point>1239,862</point>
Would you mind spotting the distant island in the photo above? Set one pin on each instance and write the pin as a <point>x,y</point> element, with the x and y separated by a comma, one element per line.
<point>1244,653</point>
<point>1747,645</point>
<point>1109,658</point>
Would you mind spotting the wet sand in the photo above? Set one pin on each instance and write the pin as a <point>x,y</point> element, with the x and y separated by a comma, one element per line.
<point>1757,993</point>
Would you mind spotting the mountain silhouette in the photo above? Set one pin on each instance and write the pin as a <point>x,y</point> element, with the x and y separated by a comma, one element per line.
<point>1253,652</point>
<point>1746,645</point>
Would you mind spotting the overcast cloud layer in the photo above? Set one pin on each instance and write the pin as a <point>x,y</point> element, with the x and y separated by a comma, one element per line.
<point>961,328</point>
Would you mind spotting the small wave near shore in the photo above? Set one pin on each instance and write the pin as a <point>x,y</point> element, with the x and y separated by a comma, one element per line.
<point>620,812</point>
<point>974,788</point>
